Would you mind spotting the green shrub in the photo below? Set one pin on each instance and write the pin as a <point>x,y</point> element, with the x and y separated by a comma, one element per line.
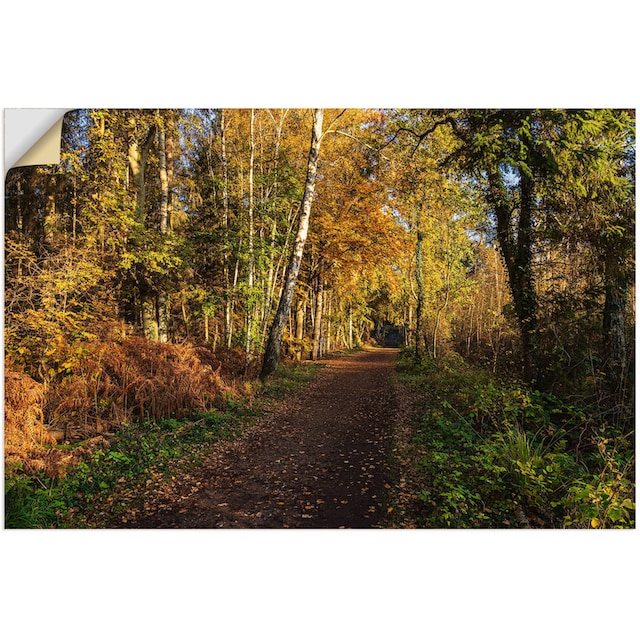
<point>604,499</point>
<point>494,453</point>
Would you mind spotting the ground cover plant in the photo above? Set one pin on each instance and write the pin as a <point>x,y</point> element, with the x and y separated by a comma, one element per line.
<point>96,482</point>
<point>490,453</point>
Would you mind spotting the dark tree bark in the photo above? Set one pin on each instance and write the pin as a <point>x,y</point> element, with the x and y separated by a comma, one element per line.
<point>420,284</point>
<point>613,325</point>
<point>517,254</point>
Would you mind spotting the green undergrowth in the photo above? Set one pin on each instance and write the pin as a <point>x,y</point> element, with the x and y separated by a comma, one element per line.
<point>105,483</point>
<point>287,379</point>
<point>137,453</point>
<point>490,453</point>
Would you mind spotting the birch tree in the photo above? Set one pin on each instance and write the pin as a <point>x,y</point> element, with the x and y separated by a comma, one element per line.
<point>274,342</point>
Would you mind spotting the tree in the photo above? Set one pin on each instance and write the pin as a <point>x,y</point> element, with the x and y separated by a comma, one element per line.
<point>204,215</point>
<point>439,211</point>
<point>590,216</point>
<point>163,225</point>
<point>274,342</point>
<point>507,150</point>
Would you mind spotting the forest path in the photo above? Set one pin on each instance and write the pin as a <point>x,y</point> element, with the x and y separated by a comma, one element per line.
<point>318,461</point>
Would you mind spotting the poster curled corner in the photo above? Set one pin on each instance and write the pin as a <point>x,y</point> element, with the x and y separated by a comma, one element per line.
<point>32,136</point>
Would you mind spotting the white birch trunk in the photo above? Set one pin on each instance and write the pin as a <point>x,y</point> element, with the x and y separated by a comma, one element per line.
<point>274,342</point>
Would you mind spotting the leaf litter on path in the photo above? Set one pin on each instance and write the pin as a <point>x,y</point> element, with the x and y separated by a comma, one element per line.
<point>317,461</point>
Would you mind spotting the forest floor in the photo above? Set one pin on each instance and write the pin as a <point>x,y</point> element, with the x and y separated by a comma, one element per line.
<point>319,459</point>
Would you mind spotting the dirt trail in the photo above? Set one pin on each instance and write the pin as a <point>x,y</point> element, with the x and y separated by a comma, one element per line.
<point>317,462</point>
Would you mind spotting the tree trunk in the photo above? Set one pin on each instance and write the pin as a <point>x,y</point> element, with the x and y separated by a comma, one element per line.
<point>317,326</point>
<point>163,307</point>
<point>251,276</point>
<point>273,193</point>
<point>420,284</point>
<point>274,342</point>
<point>441,309</point>
<point>137,159</point>
<point>268,293</point>
<point>163,317</point>
<point>299,327</point>
<point>236,273</point>
<point>225,251</point>
<point>327,344</point>
<point>51,222</point>
<point>149,320</point>
<point>164,182</point>
<point>517,254</point>
<point>613,330</point>
<point>528,304</point>
<point>137,164</point>
<point>185,318</point>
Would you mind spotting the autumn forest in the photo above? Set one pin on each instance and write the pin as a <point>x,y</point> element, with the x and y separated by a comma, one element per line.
<point>181,271</point>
